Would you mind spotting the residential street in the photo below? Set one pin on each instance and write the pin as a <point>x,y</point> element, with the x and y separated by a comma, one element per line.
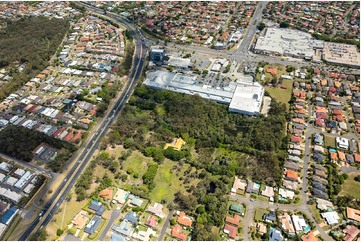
<point>115,215</point>
<point>165,226</point>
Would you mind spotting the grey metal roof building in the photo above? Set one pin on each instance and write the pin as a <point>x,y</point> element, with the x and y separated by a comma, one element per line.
<point>287,42</point>
<point>243,97</point>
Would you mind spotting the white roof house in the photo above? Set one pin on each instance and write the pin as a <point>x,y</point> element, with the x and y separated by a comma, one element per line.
<point>268,192</point>
<point>331,217</point>
<point>2,228</point>
<point>121,196</point>
<point>286,193</point>
<point>342,143</point>
<point>5,166</point>
<point>298,222</point>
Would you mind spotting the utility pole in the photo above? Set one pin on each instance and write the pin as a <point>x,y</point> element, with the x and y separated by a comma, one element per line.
<point>62,221</point>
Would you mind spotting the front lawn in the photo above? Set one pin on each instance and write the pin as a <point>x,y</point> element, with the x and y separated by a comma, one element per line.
<point>258,215</point>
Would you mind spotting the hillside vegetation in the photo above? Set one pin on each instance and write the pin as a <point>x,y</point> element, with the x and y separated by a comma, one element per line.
<point>32,41</point>
<point>219,145</point>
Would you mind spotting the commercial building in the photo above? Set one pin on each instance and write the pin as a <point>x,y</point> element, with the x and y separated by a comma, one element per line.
<point>9,215</point>
<point>287,42</point>
<point>341,54</point>
<point>156,54</point>
<point>243,97</point>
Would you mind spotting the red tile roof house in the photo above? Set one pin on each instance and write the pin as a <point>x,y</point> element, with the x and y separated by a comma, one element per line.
<point>291,175</point>
<point>320,123</point>
<point>151,221</point>
<point>230,230</point>
<point>184,220</point>
<point>233,220</point>
<point>295,139</point>
<point>351,233</point>
<point>322,115</point>
<point>68,137</point>
<point>76,137</point>
<point>177,233</point>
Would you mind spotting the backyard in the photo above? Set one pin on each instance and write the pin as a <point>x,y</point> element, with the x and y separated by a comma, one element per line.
<point>351,187</point>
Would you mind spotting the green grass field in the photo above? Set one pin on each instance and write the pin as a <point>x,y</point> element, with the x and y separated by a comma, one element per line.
<point>281,95</point>
<point>330,141</point>
<point>351,187</point>
<point>259,214</point>
<point>134,162</point>
<point>166,182</point>
<point>315,212</point>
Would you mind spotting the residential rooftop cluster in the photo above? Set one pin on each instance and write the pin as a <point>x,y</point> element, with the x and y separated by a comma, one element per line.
<point>140,219</point>
<point>49,102</point>
<point>340,19</point>
<point>16,10</point>
<point>197,22</point>
<point>16,184</point>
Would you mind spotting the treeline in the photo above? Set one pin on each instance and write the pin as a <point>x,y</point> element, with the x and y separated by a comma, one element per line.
<point>20,142</point>
<point>32,41</point>
<point>336,40</point>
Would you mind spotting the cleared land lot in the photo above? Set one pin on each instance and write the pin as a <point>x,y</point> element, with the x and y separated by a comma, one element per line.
<point>280,94</point>
<point>351,187</point>
<point>330,141</point>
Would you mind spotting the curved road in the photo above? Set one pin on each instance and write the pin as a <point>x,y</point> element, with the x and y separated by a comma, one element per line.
<point>93,140</point>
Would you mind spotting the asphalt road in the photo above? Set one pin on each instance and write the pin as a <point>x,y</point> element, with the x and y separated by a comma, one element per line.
<point>93,140</point>
<point>165,226</point>
<point>115,215</point>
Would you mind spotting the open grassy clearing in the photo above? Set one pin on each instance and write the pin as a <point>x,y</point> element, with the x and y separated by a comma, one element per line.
<point>167,182</point>
<point>72,208</point>
<point>351,187</point>
<point>316,213</point>
<point>259,213</point>
<point>330,141</point>
<point>281,95</point>
<point>137,163</point>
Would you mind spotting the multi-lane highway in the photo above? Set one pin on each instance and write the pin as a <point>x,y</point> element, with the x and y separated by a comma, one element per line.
<point>94,139</point>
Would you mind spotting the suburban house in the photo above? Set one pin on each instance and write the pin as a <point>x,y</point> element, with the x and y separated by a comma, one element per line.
<point>125,228</point>
<point>331,217</point>
<point>97,207</point>
<point>353,214</point>
<point>80,219</point>
<point>238,185</point>
<point>231,230</point>
<point>92,226</point>
<point>238,208</point>
<point>233,220</point>
<point>270,217</point>
<point>351,233</point>
<point>252,187</point>
<point>132,217</point>
<point>275,235</point>
<point>287,225</point>
<point>121,196</point>
<point>151,221</point>
<point>299,223</point>
<point>178,233</point>
<point>157,210</point>
<point>184,220</point>
<point>106,194</point>
<point>309,237</point>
